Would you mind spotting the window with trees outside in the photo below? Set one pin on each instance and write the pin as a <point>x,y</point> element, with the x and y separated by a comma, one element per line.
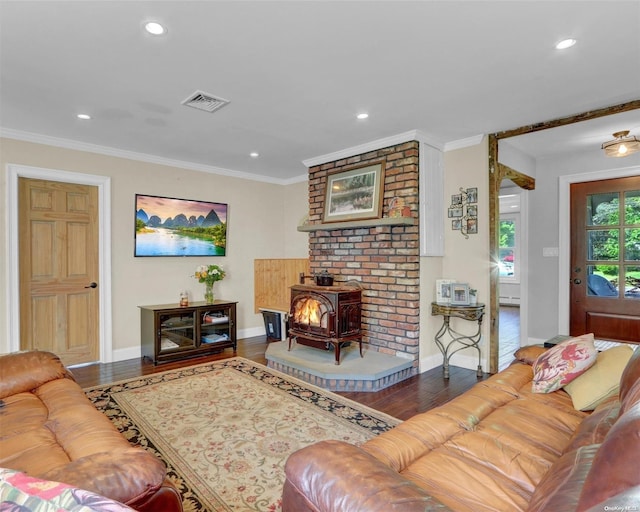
<point>509,246</point>
<point>613,244</point>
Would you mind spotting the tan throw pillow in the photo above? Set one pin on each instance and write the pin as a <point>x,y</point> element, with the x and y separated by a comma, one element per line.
<point>561,364</point>
<point>529,354</point>
<point>601,380</point>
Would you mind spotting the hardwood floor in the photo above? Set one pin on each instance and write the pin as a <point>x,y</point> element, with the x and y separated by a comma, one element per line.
<point>403,400</point>
<point>509,335</point>
<point>419,393</point>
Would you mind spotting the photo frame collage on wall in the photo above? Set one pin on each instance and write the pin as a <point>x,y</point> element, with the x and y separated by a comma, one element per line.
<point>463,211</point>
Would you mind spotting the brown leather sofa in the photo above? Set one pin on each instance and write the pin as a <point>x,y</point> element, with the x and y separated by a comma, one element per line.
<point>50,430</point>
<point>498,447</point>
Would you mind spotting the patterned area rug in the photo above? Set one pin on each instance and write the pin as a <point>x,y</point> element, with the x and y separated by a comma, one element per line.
<point>225,429</point>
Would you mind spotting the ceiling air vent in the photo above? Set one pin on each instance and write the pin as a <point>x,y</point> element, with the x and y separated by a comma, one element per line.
<point>204,101</point>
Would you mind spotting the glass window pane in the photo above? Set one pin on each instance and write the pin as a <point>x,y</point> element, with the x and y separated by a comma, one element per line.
<point>507,248</point>
<point>603,244</point>
<point>632,207</point>
<point>507,233</point>
<point>602,280</point>
<point>632,282</point>
<point>603,209</point>
<point>506,268</point>
<point>632,244</point>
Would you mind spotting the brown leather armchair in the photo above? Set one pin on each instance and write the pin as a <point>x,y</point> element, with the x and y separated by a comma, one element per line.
<point>50,430</point>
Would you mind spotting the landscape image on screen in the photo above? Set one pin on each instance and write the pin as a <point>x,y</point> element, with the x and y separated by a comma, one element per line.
<point>168,226</point>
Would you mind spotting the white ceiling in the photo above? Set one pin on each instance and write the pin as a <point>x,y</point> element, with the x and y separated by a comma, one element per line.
<point>297,72</point>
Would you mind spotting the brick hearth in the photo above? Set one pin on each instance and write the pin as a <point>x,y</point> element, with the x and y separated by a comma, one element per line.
<point>374,372</point>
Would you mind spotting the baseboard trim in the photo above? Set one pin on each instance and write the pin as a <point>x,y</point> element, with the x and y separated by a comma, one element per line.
<point>460,360</point>
<point>122,354</point>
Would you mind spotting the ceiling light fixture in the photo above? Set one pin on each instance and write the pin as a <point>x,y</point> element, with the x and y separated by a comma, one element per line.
<point>622,144</point>
<point>565,43</point>
<point>364,115</point>
<point>254,154</point>
<point>83,116</point>
<point>154,28</point>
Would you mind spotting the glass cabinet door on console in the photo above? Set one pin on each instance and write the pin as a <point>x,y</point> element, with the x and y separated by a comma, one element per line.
<point>176,331</point>
<point>215,326</point>
<point>170,332</point>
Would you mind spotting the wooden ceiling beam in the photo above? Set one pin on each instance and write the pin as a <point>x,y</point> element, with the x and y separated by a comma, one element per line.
<point>520,179</point>
<point>563,121</point>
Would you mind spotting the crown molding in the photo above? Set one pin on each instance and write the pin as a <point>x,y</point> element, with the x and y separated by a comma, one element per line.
<point>393,140</point>
<point>141,157</point>
<point>296,179</point>
<point>463,143</point>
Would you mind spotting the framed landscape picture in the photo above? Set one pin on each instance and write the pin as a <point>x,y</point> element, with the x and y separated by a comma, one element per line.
<point>167,226</point>
<point>355,193</point>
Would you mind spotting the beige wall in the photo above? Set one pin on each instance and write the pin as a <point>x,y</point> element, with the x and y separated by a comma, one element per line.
<point>465,260</point>
<point>261,224</point>
<point>430,270</point>
<point>295,208</point>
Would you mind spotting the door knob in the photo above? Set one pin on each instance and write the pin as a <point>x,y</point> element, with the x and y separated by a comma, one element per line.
<point>92,285</point>
<point>577,281</point>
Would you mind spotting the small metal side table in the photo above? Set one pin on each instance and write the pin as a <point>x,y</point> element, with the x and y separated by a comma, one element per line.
<point>472,313</point>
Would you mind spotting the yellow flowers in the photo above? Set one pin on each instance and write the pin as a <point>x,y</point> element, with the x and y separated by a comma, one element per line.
<point>209,274</point>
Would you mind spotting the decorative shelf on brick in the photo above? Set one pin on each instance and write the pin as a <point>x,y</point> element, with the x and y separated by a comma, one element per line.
<point>368,223</point>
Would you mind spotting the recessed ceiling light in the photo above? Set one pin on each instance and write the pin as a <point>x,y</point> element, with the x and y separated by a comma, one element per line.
<point>83,116</point>
<point>565,43</point>
<point>154,28</point>
<point>254,154</point>
<point>363,115</point>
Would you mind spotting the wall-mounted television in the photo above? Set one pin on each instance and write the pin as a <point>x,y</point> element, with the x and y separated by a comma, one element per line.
<point>167,226</point>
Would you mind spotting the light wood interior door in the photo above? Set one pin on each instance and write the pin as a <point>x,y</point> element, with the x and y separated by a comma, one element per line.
<point>58,244</point>
<point>605,259</point>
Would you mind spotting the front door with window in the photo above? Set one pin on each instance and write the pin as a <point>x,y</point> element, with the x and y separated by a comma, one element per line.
<point>605,259</point>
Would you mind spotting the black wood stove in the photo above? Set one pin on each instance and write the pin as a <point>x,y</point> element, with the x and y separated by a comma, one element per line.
<point>325,316</point>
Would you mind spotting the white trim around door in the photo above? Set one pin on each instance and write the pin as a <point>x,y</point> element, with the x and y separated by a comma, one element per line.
<point>564,217</point>
<point>103,183</point>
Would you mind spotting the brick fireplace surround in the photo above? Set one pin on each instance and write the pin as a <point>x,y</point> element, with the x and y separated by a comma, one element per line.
<point>385,259</point>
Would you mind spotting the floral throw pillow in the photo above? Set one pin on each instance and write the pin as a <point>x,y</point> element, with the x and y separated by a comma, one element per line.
<point>563,363</point>
<point>20,492</point>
